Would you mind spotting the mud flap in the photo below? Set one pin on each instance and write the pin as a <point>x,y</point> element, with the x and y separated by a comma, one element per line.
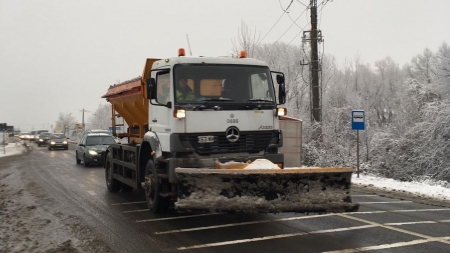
<point>301,190</point>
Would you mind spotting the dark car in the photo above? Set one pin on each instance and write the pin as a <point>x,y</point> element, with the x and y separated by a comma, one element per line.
<point>43,139</point>
<point>91,147</point>
<point>57,140</point>
<point>38,133</point>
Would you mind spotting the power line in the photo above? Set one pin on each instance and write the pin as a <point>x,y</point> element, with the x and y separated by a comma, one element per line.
<point>284,12</point>
<point>302,30</point>
<point>324,2</point>
<point>293,24</point>
<point>302,3</point>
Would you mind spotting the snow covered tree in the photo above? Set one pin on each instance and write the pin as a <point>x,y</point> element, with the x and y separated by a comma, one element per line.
<point>65,122</point>
<point>101,118</point>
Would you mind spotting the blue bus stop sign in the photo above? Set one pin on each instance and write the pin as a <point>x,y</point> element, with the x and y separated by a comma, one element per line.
<point>358,120</point>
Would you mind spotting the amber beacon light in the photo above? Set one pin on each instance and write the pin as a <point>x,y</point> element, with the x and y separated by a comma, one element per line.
<point>181,52</point>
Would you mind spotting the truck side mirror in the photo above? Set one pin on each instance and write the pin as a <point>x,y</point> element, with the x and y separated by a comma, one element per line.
<point>281,93</point>
<point>280,79</point>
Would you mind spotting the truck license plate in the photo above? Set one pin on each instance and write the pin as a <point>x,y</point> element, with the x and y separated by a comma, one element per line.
<point>205,139</point>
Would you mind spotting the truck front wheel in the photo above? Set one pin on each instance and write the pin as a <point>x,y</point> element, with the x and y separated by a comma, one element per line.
<point>152,187</point>
<point>112,184</point>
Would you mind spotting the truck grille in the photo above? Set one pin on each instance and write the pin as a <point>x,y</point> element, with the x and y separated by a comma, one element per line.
<point>251,142</point>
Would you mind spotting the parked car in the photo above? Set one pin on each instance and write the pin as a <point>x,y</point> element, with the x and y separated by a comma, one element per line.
<point>43,139</point>
<point>91,147</point>
<point>57,140</point>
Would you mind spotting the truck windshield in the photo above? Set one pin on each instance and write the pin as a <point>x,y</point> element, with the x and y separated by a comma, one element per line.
<point>224,84</point>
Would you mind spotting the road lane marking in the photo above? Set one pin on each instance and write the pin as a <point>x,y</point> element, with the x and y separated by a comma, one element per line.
<point>401,211</point>
<point>394,228</point>
<point>242,224</point>
<point>92,193</point>
<point>178,217</point>
<point>365,195</point>
<point>409,223</point>
<point>128,203</point>
<point>422,210</point>
<point>388,246</point>
<point>271,237</point>
<point>135,211</point>
<point>286,219</point>
<point>443,220</point>
<point>384,202</point>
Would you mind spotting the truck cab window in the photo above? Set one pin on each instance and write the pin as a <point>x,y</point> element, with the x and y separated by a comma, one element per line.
<point>163,88</point>
<point>260,87</point>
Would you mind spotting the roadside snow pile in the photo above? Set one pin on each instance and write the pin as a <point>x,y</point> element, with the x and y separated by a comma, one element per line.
<point>14,148</point>
<point>433,189</point>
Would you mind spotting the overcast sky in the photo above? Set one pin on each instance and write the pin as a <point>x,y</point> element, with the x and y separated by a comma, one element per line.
<point>61,56</point>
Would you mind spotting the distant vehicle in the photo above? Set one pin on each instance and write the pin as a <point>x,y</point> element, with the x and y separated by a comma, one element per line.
<point>32,135</point>
<point>57,140</point>
<point>96,131</point>
<point>43,138</point>
<point>25,136</point>
<point>38,133</point>
<point>91,147</point>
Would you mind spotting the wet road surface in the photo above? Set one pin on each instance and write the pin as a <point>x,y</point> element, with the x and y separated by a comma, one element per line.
<point>122,221</point>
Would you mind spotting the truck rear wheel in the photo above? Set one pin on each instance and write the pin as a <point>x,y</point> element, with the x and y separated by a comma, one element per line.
<point>112,184</point>
<point>152,188</point>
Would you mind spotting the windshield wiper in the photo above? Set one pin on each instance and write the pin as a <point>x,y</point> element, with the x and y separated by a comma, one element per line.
<point>207,100</point>
<point>253,100</point>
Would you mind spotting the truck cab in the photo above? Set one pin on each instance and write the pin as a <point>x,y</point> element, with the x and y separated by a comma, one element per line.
<point>226,111</point>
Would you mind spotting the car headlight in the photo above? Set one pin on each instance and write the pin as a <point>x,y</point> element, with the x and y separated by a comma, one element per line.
<point>64,142</point>
<point>41,140</point>
<point>93,152</point>
<point>53,143</point>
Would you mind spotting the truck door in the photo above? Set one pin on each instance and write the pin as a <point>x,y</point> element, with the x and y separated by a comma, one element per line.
<point>159,115</point>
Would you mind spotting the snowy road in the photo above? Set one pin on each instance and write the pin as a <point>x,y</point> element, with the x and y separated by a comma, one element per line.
<point>121,222</point>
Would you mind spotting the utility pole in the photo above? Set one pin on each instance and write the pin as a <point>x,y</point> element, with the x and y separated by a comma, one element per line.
<point>82,118</point>
<point>316,109</point>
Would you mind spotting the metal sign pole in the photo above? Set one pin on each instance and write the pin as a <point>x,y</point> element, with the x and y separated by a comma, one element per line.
<point>357,153</point>
<point>358,123</point>
<point>4,143</point>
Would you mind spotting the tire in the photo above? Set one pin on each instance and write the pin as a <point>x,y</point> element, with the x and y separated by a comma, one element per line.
<point>112,184</point>
<point>152,189</point>
<point>49,148</point>
<point>76,157</point>
<point>86,164</point>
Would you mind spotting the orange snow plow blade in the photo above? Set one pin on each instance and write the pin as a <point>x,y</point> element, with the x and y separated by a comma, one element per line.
<point>300,190</point>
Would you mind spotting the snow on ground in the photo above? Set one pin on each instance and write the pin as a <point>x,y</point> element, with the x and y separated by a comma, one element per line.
<point>14,148</point>
<point>427,188</point>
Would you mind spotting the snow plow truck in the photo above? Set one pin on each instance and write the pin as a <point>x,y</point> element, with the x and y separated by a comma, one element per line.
<point>213,146</point>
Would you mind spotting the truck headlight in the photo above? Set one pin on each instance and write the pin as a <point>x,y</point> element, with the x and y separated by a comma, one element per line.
<point>93,152</point>
<point>281,111</point>
<point>179,114</point>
